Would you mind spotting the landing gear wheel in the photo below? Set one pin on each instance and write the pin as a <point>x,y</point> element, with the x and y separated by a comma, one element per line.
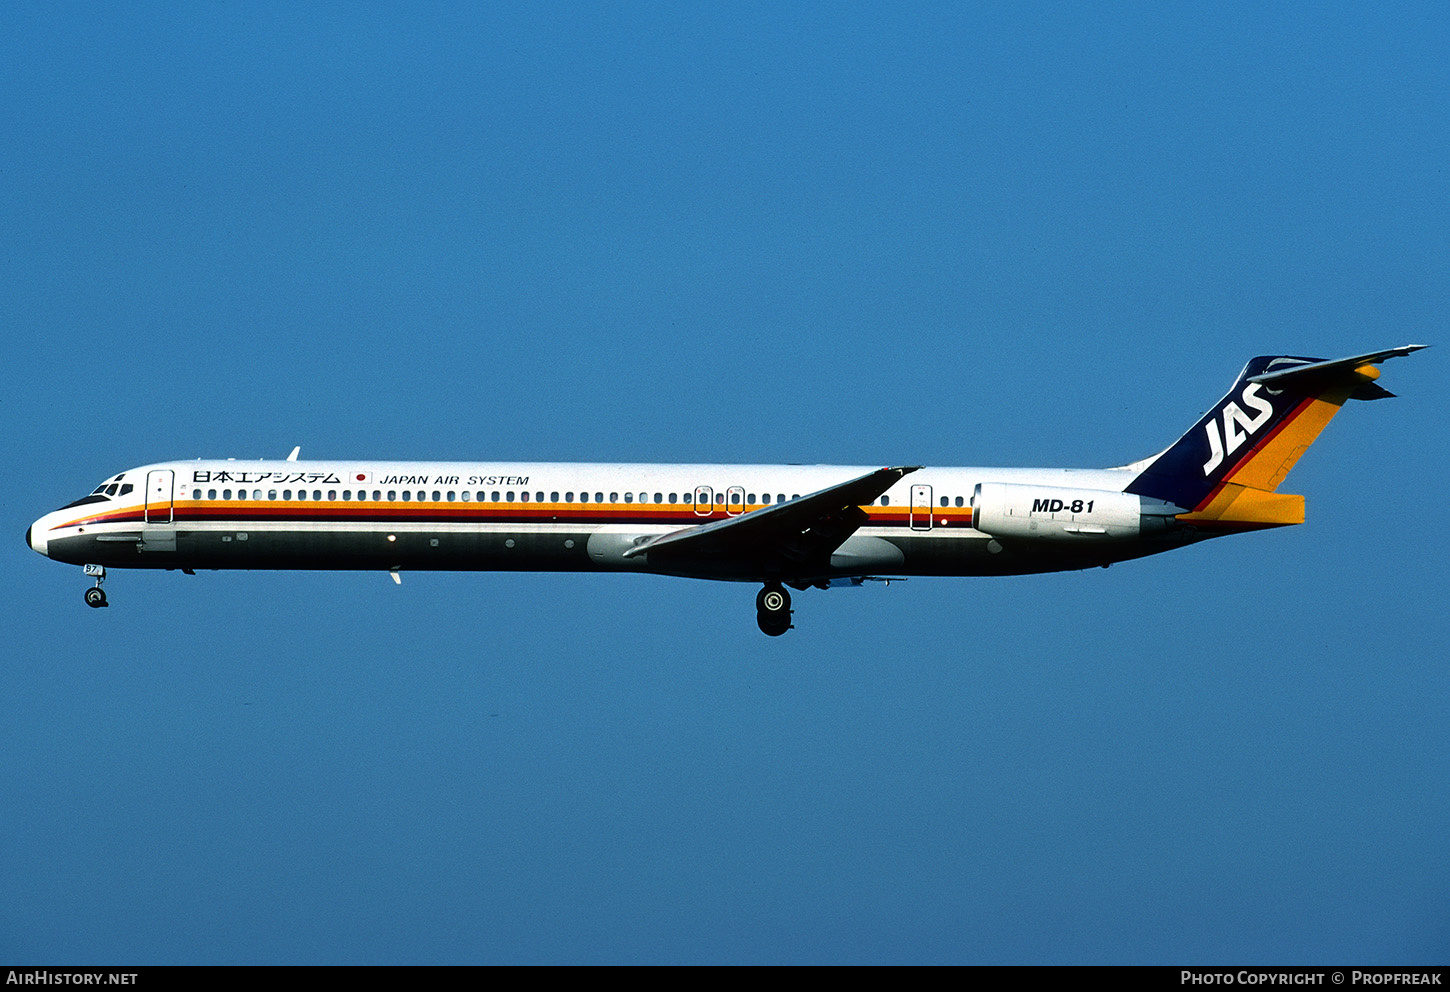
<point>772,599</point>
<point>772,610</point>
<point>96,597</point>
<point>772,624</point>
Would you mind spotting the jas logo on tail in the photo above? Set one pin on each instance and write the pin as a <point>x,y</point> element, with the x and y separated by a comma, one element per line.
<point>1228,439</point>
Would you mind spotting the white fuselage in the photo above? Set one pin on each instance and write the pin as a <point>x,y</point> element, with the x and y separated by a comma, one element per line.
<point>548,516</point>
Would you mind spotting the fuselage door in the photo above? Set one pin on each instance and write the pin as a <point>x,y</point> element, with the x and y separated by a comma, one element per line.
<point>158,495</point>
<point>735,500</point>
<point>921,507</point>
<point>704,501</point>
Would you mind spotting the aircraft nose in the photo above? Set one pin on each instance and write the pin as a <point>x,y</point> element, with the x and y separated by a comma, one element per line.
<point>37,544</point>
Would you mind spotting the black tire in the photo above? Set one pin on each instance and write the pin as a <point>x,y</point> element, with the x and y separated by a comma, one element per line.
<point>95,597</point>
<point>773,624</point>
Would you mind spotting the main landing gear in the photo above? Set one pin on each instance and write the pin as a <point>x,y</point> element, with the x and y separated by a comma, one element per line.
<point>95,595</point>
<point>772,609</point>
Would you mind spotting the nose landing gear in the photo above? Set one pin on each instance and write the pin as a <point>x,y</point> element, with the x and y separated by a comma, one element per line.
<point>95,595</point>
<point>772,610</point>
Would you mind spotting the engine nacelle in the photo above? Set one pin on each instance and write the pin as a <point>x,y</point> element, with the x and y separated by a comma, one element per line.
<point>1052,513</point>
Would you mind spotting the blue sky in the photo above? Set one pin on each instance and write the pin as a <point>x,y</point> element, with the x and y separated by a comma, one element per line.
<point>1016,234</point>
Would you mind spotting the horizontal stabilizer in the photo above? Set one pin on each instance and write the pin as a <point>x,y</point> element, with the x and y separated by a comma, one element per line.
<point>1357,370</point>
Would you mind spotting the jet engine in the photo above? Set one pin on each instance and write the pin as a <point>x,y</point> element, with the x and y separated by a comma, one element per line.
<point>1049,513</point>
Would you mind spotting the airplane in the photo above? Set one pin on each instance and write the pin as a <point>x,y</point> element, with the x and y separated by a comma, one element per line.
<point>778,526</point>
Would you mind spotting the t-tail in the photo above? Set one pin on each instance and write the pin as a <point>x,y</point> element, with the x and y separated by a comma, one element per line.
<point>1225,471</point>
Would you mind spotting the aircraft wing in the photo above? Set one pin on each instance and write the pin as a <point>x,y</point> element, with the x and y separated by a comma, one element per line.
<point>796,532</point>
<point>1318,374</point>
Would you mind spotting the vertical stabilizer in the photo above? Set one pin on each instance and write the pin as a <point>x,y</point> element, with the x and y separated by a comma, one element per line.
<point>1229,465</point>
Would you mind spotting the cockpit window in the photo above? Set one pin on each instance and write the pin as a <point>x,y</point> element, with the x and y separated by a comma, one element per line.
<point>111,487</point>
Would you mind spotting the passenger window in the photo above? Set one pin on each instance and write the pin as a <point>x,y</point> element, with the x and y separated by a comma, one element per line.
<point>885,500</point>
<point>688,498</point>
<point>226,494</point>
<point>465,495</point>
<point>583,497</point>
<point>553,497</point>
<point>378,496</point>
<point>332,494</point>
<point>211,494</point>
<point>286,494</point>
<point>944,501</point>
<point>780,497</point>
<point>437,496</point>
<point>659,497</point>
<point>960,501</point>
<point>407,496</point>
<point>495,496</point>
<point>599,497</point>
<point>317,494</point>
<point>765,498</point>
<point>524,496</point>
<point>674,497</point>
<point>509,496</point>
<point>392,495</point>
